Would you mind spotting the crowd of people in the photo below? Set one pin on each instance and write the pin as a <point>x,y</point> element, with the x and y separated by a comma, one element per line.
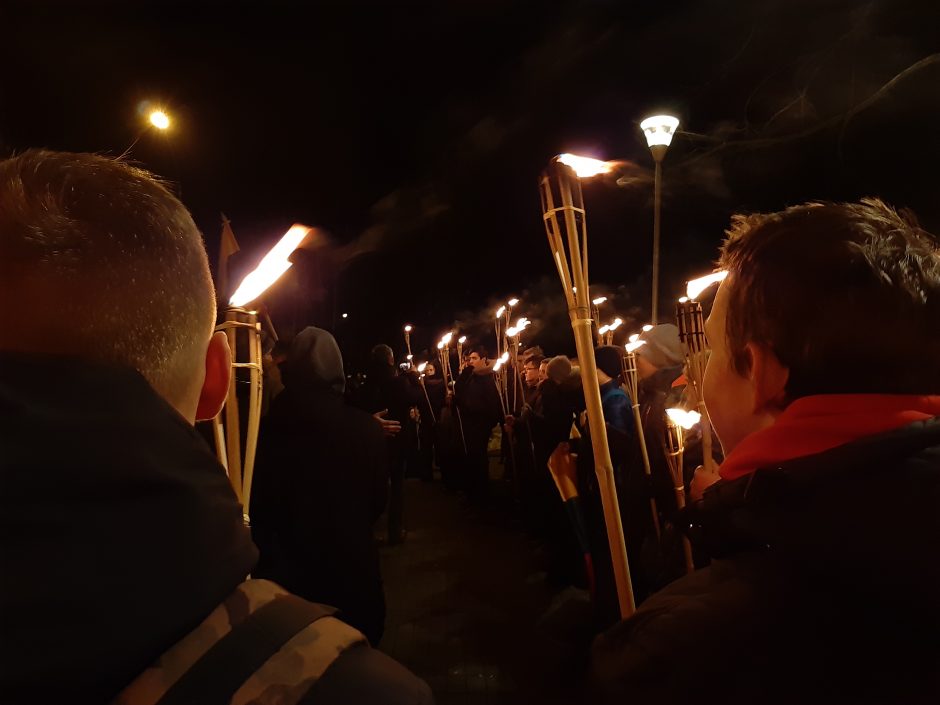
<point>126,557</point>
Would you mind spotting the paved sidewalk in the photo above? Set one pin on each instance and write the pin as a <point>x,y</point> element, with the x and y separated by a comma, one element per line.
<point>470,612</point>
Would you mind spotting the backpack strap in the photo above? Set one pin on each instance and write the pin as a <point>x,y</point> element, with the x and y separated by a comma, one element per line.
<point>240,649</point>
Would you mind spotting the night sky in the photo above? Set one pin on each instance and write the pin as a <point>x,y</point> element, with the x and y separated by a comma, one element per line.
<point>412,135</point>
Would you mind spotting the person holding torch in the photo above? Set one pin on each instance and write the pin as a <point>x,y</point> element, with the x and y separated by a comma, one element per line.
<point>823,387</point>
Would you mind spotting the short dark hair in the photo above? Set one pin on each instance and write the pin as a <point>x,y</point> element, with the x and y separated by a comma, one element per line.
<point>837,290</point>
<point>533,360</point>
<point>100,260</point>
<point>479,350</point>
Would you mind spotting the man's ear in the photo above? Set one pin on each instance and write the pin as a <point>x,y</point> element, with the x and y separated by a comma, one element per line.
<point>768,378</point>
<point>218,373</point>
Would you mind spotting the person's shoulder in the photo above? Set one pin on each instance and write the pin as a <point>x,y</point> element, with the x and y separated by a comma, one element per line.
<point>365,675</point>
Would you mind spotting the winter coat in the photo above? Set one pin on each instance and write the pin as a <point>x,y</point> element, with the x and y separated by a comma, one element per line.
<point>824,587</point>
<point>321,482</point>
<point>478,403</point>
<point>122,535</point>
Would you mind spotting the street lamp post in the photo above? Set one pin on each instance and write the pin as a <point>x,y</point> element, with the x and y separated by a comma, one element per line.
<point>564,216</point>
<point>659,130</point>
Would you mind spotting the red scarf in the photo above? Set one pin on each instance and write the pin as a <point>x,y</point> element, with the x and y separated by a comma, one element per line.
<point>815,424</point>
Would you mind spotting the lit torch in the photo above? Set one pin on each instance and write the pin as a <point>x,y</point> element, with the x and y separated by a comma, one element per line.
<point>239,317</point>
<point>408,339</point>
<point>631,381</point>
<point>691,324</point>
<point>677,422</point>
<point>564,216</point>
<point>421,368</point>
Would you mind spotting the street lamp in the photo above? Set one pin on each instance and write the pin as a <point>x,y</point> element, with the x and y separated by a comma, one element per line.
<point>564,216</point>
<point>659,130</point>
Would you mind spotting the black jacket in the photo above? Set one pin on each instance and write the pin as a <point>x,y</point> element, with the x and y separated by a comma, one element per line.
<point>120,534</point>
<point>320,484</point>
<point>825,587</point>
<point>478,402</point>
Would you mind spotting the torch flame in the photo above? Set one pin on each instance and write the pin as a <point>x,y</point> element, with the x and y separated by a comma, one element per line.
<point>512,332</point>
<point>500,311</point>
<point>409,356</point>
<point>270,268</point>
<point>683,418</point>
<point>504,358</point>
<point>599,300</point>
<point>633,338</point>
<point>634,345</point>
<point>440,345</point>
<point>497,365</point>
<point>447,338</point>
<point>512,302</point>
<point>408,328</point>
<point>697,286</point>
<point>422,367</point>
<point>585,166</point>
<point>647,328</point>
<point>616,324</point>
<point>603,329</point>
<point>462,339</point>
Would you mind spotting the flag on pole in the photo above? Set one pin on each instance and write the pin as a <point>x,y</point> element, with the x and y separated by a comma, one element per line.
<point>228,246</point>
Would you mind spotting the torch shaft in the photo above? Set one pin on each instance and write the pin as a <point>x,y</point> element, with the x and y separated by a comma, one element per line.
<point>657,206</point>
<point>233,450</point>
<point>644,453</point>
<point>254,408</point>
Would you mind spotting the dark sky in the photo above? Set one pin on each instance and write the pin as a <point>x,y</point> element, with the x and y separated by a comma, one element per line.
<point>413,134</point>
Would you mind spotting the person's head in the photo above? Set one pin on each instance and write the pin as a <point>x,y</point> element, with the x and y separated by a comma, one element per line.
<point>477,357</point>
<point>822,298</point>
<point>314,360</point>
<point>661,350</point>
<point>543,369</point>
<point>609,363</point>
<point>99,260</point>
<point>530,369</point>
<point>430,370</point>
<point>559,369</point>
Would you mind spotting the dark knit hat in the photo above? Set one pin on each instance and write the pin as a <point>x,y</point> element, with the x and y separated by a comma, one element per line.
<point>609,360</point>
<point>662,348</point>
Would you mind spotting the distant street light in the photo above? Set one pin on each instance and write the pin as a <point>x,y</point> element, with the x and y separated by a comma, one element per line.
<point>659,130</point>
<point>160,120</point>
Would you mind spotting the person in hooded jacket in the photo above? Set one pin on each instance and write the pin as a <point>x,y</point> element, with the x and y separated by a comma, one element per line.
<point>125,554</point>
<point>321,481</point>
<point>822,386</point>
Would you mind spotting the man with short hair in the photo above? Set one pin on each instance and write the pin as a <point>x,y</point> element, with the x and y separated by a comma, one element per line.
<point>479,409</point>
<point>124,553</point>
<point>822,386</point>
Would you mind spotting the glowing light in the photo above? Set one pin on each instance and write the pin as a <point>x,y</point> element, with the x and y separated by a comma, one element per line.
<point>647,328</point>
<point>511,332</point>
<point>634,345</point>
<point>697,286</point>
<point>497,365</point>
<point>599,300</point>
<point>447,338</point>
<point>659,129</point>
<point>462,339</point>
<point>512,302</point>
<point>440,345</point>
<point>500,311</point>
<point>585,167</point>
<point>616,324</point>
<point>633,338</point>
<point>504,358</point>
<point>603,329</point>
<point>270,268</point>
<point>683,299</point>
<point>683,418</point>
<point>521,324</point>
<point>345,315</point>
<point>159,119</point>
<point>422,367</point>
<point>409,356</point>
<point>408,329</point>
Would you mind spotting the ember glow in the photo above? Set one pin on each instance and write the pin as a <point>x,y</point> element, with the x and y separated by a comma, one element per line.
<point>270,268</point>
<point>697,286</point>
<point>585,167</point>
<point>683,418</point>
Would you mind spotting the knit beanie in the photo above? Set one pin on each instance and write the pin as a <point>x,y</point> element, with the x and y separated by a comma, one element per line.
<point>559,369</point>
<point>662,348</point>
<point>609,360</point>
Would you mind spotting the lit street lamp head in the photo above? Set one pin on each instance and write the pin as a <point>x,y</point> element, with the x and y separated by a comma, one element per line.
<point>659,130</point>
<point>159,119</point>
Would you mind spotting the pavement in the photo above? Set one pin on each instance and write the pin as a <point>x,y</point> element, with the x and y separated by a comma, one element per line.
<point>469,609</point>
